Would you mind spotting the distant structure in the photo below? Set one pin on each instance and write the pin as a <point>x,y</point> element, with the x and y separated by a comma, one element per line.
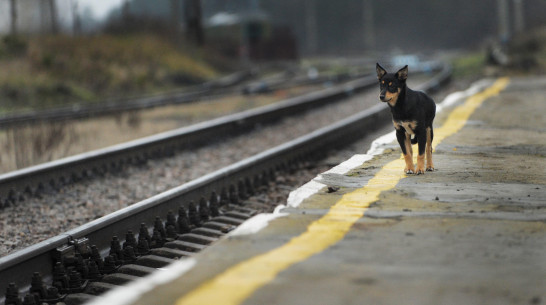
<point>36,17</point>
<point>510,21</point>
<point>250,35</point>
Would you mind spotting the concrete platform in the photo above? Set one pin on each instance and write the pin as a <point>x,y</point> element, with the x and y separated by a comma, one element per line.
<point>471,232</point>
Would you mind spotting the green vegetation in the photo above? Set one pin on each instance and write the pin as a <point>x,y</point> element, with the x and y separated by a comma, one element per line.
<point>526,54</point>
<point>471,64</point>
<point>528,51</point>
<point>40,72</point>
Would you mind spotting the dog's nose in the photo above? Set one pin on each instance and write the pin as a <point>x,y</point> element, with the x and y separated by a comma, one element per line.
<point>382,96</point>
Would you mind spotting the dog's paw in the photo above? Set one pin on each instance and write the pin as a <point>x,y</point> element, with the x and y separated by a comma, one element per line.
<point>409,171</point>
<point>430,169</point>
<point>420,172</point>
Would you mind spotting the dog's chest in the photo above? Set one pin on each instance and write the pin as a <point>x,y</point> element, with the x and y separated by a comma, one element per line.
<point>409,126</point>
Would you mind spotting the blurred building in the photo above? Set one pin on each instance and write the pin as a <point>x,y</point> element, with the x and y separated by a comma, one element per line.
<point>37,17</point>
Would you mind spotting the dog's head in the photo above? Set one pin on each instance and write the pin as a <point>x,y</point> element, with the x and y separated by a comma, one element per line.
<point>391,84</point>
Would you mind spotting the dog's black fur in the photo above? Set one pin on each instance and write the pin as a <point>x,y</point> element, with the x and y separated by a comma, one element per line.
<point>412,115</point>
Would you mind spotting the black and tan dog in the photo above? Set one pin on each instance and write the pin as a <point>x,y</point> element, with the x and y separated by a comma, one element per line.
<point>412,116</point>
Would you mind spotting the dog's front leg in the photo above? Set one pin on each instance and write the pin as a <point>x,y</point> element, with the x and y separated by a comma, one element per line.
<point>404,139</point>
<point>430,136</point>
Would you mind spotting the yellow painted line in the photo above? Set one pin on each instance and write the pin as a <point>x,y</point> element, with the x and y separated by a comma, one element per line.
<point>459,116</point>
<point>237,283</point>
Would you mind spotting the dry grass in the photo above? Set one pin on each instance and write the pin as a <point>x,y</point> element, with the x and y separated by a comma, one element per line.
<point>26,146</point>
<point>103,56</point>
<point>57,70</point>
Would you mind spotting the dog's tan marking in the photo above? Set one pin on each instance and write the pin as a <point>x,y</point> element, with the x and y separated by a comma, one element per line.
<point>392,97</point>
<point>408,157</point>
<point>409,126</point>
<point>428,150</point>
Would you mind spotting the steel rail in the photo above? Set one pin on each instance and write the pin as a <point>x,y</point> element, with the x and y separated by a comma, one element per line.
<point>19,266</point>
<point>229,84</point>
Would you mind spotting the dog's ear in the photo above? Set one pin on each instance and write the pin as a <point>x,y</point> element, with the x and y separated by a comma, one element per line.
<point>380,71</point>
<point>402,74</point>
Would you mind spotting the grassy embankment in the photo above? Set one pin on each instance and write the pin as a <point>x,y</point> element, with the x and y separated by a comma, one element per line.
<point>526,53</point>
<point>41,72</point>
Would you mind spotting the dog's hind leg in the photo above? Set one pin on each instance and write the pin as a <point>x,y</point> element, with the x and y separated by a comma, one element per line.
<point>421,141</point>
<point>404,139</point>
<point>430,137</point>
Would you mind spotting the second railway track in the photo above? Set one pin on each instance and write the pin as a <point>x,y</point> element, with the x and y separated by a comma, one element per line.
<point>247,82</point>
<point>236,180</point>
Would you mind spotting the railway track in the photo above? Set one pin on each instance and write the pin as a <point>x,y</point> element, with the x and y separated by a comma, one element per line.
<point>246,82</point>
<point>88,247</point>
<point>115,106</point>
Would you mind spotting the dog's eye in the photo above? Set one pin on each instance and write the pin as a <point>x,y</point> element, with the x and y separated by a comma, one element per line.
<point>392,88</point>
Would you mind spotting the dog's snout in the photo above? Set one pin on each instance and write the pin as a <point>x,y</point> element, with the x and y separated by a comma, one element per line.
<point>382,94</point>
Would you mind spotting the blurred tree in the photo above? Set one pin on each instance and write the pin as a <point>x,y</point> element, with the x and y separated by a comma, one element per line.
<point>157,9</point>
<point>76,21</point>
<point>44,19</point>
<point>125,10</point>
<point>311,27</point>
<point>175,16</point>
<point>369,24</point>
<point>53,15</point>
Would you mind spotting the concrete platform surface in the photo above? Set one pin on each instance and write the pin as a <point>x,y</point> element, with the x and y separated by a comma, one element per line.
<point>471,232</point>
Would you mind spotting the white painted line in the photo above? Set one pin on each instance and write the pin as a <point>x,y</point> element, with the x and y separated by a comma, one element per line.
<point>258,222</point>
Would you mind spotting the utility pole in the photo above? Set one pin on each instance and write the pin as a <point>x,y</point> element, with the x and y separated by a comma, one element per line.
<point>369,28</point>
<point>13,7</point>
<point>519,18</point>
<point>311,26</point>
